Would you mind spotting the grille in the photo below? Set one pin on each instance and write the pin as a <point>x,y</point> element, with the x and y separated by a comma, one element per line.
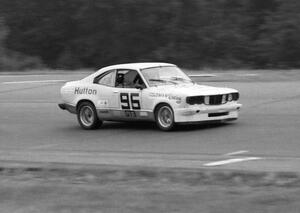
<point>215,99</point>
<point>212,99</point>
<point>195,100</point>
<point>207,100</point>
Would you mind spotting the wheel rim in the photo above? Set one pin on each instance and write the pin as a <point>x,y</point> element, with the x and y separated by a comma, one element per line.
<point>165,116</point>
<point>87,115</point>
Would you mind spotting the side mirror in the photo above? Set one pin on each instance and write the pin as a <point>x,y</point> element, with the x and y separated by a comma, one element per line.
<point>141,87</point>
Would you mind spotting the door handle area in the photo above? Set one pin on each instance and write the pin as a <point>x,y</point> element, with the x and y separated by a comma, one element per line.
<point>116,91</point>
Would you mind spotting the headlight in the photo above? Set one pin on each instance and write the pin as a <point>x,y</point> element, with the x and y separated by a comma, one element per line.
<point>235,96</point>
<point>206,100</point>
<point>229,97</point>
<point>224,99</point>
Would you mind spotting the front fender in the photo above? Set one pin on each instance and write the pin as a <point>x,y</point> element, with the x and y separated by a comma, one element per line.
<point>174,101</point>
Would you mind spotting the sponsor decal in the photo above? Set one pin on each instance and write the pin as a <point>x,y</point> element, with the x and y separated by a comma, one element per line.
<point>143,113</point>
<point>130,114</point>
<point>166,95</point>
<point>103,103</point>
<point>130,101</point>
<point>85,90</point>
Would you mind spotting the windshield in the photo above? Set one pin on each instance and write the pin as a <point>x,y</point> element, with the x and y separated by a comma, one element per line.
<point>165,75</point>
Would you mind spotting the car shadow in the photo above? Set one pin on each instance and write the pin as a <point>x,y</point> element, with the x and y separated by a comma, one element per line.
<point>141,125</point>
<point>152,126</point>
<point>200,126</point>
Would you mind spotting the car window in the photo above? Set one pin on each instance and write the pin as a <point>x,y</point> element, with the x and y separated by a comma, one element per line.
<point>165,75</point>
<point>106,78</point>
<point>129,79</point>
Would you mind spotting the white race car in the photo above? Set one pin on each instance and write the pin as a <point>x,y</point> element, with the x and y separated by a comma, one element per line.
<point>158,92</point>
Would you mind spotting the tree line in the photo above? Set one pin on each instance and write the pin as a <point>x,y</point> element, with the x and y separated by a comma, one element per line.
<point>74,34</point>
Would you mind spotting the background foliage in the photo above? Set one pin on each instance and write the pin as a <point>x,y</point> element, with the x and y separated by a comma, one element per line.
<point>191,33</point>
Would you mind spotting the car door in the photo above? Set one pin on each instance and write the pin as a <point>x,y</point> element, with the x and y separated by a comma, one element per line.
<point>129,87</point>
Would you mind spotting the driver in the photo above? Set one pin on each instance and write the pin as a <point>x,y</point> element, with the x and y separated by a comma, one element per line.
<point>138,82</point>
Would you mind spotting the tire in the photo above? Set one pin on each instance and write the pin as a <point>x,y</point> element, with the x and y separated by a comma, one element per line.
<point>87,116</point>
<point>164,117</point>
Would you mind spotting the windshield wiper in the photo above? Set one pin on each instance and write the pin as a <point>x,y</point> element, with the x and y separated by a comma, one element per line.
<point>158,80</point>
<point>180,79</point>
<point>161,80</point>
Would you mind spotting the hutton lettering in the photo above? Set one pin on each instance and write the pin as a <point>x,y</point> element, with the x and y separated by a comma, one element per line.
<point>85,90</point>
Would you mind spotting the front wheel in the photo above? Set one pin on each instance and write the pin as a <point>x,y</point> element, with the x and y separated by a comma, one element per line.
<point>164,117</point>
<point>87,116</point>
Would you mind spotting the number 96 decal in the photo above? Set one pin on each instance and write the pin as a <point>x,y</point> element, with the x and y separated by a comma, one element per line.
<point>130,101</point>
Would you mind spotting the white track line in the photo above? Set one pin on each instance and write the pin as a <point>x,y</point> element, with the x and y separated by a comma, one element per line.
<point>22,76</point>
<point>33,82</point>
<point>203,75</point>
<point>249,74</point>
<point>237,152</point>
<point>45,146</point>
<point>229,161</point>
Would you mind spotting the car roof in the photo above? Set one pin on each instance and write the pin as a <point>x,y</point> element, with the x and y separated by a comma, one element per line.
<point>137,65</point>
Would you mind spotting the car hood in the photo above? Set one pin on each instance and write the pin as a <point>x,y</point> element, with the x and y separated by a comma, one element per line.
<point>192,90</point>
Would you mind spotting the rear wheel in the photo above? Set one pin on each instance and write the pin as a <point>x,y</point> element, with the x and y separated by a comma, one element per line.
<point>87,116</point>
<point>164,117</point>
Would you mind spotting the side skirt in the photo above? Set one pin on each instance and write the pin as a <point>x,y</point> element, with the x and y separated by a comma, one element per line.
<point>125,115</point>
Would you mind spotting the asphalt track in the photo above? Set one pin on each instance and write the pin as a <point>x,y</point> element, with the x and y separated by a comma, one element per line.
<point>266,137</point>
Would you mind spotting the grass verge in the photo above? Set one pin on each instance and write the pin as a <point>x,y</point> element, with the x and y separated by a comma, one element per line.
<point>133,189</point>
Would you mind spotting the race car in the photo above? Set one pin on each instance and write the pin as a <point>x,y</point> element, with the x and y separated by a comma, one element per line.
<point>158,92</point>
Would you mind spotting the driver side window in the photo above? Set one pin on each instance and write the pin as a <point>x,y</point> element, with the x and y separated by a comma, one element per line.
<point>129,79</point>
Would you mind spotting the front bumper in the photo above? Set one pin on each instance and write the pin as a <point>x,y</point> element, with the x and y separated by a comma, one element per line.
<point>207,113</point>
